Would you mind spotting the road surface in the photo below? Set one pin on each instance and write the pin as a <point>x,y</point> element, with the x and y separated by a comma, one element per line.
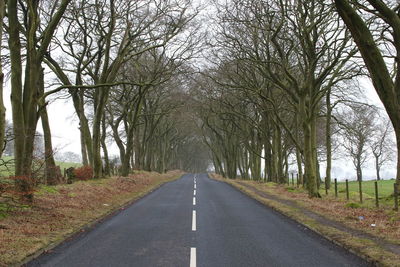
<point>196,221</point>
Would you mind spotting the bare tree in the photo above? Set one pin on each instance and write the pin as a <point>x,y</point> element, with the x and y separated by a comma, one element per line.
<point>382,145</point>
<point>357,130</point>
<point>122,32</point>
<point>382,61</point>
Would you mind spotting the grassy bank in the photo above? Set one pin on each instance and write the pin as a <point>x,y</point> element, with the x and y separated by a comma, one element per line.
<point>59,211</point>
<point>369,232</point>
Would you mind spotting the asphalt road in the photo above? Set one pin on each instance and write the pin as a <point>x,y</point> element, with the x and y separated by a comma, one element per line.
<point>196,221</point>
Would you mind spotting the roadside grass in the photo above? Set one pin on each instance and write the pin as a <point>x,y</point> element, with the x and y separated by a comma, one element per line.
<point>382,225</point>
<point>62,210</point>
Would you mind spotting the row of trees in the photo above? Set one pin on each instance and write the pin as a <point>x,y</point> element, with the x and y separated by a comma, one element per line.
<point>120,62</point>
<point>281,73</point>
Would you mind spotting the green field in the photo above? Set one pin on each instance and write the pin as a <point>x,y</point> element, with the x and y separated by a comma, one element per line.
<point>385,187</point>
<point>385,192</point>
<point>7,166</point>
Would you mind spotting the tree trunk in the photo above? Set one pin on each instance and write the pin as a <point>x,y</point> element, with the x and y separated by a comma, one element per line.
<point>378,175</point>
<point>52,171</point>
<point>125,168</point>
<point>96,134</point>
<point>328,141</point>
<point>78,101</point>
<point>19,104</point>
<point>104,146</point>
<point>2,107</point>
<point>299,166</point>
<point>137,147</point>
<point>299,159</point>
<point>85,161</point>
<point>309,155</point>
<point>359,171</point>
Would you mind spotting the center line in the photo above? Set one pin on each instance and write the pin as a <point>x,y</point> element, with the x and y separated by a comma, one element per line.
<point>194,221</point>
<point>194,186</point>
<point>192,257</point>
<point>194,192</point>
<point>194,201</point>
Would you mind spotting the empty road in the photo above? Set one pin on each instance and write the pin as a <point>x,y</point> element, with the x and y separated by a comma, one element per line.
<point>196,221</point>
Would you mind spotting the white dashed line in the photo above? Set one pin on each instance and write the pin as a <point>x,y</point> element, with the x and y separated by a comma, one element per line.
<point>192,257</point>
<point>194,221</point>
<point>194,201</point>
<point>194,192</point>
<point>194,186</point>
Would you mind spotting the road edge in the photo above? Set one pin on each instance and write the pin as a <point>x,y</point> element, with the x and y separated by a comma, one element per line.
<point>355,252</point>
<point>92,224</point>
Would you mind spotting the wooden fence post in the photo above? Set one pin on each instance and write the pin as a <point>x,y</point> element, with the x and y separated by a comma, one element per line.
<point>376,195</point>
<point>336,192</point>
<point>347,189</point>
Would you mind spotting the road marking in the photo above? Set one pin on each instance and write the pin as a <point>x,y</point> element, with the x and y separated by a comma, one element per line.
<point>194,192</point>
<point>192,257</point>
<point>194,186</point>
<point>194,201</point>
<point>194,221</point>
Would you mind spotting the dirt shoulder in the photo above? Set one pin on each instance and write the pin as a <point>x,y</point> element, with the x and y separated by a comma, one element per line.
<point>373,234</point>
<point>60,212</point>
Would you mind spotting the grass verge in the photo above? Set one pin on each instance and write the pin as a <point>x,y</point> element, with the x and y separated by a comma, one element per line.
<point>60,211</point>
<point>373,234</point>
